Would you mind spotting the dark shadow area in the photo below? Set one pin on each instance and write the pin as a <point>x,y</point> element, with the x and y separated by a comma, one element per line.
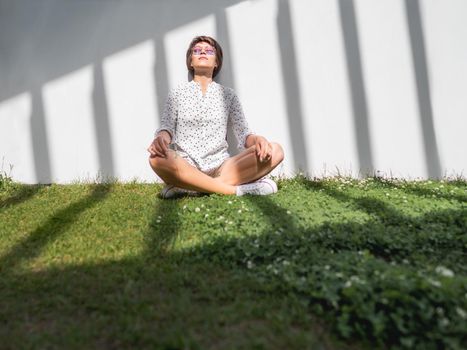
<point>20,195</point>
<point>55,226</point>
<point>290,77</point>
<point>40,139</point>
<point>102,125</point>
<point>357,85</point>
<point>160,76</point>
<point>417,41</point>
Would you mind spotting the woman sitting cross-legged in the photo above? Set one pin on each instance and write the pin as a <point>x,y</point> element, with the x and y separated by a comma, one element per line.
<point>189,151</point>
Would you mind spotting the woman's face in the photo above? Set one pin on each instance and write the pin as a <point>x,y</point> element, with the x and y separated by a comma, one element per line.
<point>203,57</point>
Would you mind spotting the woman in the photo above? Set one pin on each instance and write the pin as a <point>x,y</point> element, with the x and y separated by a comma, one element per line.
<point>189,151</point>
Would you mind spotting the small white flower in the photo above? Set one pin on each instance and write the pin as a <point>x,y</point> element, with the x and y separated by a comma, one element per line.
<point>444,271</point>
<point>197,209</point>
<point>461,312</point>
<point>250,264</point>
<point>434,282</point>
<point>239,211</point>
<point>206,215</point>
<point>347,284</point>
<point>288,212</point>
<point>357,279</point>
<point>184,207</point>
<point>444,322</point>
<point>229,202</point>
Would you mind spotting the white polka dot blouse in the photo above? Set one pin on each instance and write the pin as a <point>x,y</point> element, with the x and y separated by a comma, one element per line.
<point>198,123</point>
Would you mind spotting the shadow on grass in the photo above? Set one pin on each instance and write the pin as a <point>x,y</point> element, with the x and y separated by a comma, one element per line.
<point>20,195</point>
<point>432,234</point>
<point>421,190</point>
<point>55,226</point>
<point>159,299</point>
<point>207,297</point>
<point>163,228</point>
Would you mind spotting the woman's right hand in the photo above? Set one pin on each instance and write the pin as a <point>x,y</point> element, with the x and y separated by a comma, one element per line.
<point>160,145</point>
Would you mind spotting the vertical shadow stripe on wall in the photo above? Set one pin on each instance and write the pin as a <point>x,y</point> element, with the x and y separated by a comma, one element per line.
<point>160,77</point>
<point>40,138</point>
<point>357,85</point>
<point>291,86</point>
<point>225,76</point>
<point>102,125</point>
<point>417,41</point>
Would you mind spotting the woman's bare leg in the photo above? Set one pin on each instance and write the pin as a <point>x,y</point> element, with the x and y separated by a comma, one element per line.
<point>245,166</point>
<point>175,170</point>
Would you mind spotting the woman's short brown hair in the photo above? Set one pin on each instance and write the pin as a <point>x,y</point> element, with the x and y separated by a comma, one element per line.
<point>214,44</point>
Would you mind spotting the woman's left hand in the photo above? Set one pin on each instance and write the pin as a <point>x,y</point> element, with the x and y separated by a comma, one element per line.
<point>263,149</point>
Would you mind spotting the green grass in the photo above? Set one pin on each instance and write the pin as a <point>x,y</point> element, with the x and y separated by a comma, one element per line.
<point>323,264</point>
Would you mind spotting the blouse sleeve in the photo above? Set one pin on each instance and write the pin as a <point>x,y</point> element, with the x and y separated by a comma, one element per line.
<point>169,115</point>
<point>238,122</point>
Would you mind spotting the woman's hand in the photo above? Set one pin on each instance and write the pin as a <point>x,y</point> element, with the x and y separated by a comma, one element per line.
<point>160,145</point>
<point>263,149</point>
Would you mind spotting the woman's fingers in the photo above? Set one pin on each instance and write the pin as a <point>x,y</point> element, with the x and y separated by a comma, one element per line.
<point>161,146</point>
<point>269,152</point>
<point>152,150</point>
<point>263,149</point>
<point>258,150</point>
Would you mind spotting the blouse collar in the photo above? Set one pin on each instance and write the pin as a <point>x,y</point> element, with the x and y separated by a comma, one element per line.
<point>199,84</point>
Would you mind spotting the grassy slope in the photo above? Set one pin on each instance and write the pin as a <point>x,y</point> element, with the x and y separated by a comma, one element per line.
<point>113,266</point>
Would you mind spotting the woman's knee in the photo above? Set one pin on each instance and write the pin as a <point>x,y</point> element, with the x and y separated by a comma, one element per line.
<point>163,165</point>
<point>277,152</point>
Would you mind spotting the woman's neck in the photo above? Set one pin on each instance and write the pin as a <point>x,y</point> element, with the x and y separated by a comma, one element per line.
<point>202,79</point>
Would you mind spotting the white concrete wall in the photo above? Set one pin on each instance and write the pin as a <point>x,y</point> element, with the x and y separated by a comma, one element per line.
<point>353,86</point>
